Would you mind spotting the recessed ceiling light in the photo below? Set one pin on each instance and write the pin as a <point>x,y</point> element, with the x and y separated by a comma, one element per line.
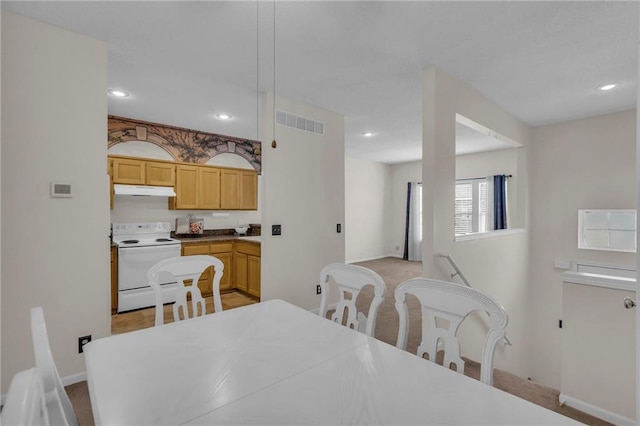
<point>608,86</point>
<point>223,116</point>
<point>118,93</point>
<point>367,134</point>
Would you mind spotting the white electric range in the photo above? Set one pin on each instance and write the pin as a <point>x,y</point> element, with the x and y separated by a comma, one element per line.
<point>140,246</point>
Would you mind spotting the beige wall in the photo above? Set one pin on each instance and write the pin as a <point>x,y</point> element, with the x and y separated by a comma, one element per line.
<point>367,206</point>
<point>1,388</point>
<point>303,190</point>
<point>400,175</point>
<point>497,266</point>
<point>580,164</point>
<point>55,251</point>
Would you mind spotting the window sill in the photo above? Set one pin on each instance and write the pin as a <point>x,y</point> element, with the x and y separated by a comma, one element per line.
<point>490,234</point>
<point>598,280</point>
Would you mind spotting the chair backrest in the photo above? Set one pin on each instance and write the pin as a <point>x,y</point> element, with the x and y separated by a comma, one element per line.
<point>59,408</point>
<point>186,268</point>
<point>350,279</point>
<point>25,404</point>
<point>452,303</point>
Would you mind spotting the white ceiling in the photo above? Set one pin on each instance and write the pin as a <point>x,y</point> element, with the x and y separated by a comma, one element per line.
<point>183,62</point>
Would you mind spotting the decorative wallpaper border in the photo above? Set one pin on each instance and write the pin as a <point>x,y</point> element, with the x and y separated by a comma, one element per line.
<point>184,145</point>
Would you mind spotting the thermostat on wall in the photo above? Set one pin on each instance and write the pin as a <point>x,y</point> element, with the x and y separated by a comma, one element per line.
<point>60,190</point>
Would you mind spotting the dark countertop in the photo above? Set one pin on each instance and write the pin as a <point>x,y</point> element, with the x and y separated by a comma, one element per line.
<point>218,235</point>
<point>213,239</point>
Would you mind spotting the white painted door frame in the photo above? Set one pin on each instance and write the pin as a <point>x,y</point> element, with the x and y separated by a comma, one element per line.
<point>637,309</point>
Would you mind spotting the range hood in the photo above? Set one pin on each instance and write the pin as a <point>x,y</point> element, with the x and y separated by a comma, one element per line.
<point>158,191</point>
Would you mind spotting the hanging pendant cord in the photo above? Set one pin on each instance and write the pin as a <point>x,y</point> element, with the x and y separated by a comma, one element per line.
<point>273,144</point>
<point>257,70</point>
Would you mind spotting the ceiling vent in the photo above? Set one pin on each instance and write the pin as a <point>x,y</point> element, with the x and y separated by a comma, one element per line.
<point>301,123</point>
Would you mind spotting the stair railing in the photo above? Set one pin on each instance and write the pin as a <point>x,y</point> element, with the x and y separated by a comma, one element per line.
<point>456,268</point>
<point>459,273</point>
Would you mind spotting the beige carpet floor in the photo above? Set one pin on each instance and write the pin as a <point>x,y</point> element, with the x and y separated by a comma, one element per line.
<point>394,271</point>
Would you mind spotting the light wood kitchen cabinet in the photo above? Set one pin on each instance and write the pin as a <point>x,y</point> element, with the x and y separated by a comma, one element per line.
<point>208,188</point>
<point>128,171</point>
<point>224,252</point>
<point>205,281</point>
<point>142,172</point>
<point>197,188</point>
<point>186,188</point>
<point>246,260</point>
<point>248,190</point>
<point>238,189</point>
<point>229,186</point>
<point>160,174</point>
<point>253,275</point>
<point>240,270</point>
<point>114,280</point>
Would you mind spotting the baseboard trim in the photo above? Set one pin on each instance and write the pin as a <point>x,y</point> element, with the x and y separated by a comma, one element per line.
<point>74,378</point>
<point>366,259</point>
<point>66,381</point>
<point>598,412</point>
<point>373,258</point>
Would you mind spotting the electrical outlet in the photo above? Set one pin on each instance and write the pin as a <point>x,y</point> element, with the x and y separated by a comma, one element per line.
<point>276,229</point>
<point>339,228</point>
<point>318,289</point>
<point>83,341</point>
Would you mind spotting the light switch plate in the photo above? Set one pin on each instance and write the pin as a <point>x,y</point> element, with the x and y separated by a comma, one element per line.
<point>61,190</point>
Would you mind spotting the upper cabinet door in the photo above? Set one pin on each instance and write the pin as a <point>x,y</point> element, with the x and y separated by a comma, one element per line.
<point>208,188</point>
<point>160,174</point>
<point>128,171</point>
<point>186,181</point>
<point>229,189</point>
<point>248,190</point>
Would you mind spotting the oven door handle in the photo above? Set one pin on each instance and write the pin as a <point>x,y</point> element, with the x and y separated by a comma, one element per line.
<point>148,249</point>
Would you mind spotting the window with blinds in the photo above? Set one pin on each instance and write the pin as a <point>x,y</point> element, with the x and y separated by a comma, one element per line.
<point>471,206</point>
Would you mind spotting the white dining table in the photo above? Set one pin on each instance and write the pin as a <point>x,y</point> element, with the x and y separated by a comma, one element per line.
<point>274,363</point>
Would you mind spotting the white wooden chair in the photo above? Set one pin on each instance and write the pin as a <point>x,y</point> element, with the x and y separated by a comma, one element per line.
<point>350,279</point>
<point>452,303</point>
<point>185,268</point>
<point>59,408</point>
<point>25,404</point>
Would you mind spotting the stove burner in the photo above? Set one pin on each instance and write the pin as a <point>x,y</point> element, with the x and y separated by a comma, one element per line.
<point>162,240</point>
<point>130,242</point>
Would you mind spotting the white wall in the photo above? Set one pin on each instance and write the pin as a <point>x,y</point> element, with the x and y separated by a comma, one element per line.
<point>0,220</point>
<point>55,251</point>
<point>598,349</point>
<point>496,266</point>
<point>575,165</point>
<point>303,190</point>
<point>367,206</point>
<point>400,175</point>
